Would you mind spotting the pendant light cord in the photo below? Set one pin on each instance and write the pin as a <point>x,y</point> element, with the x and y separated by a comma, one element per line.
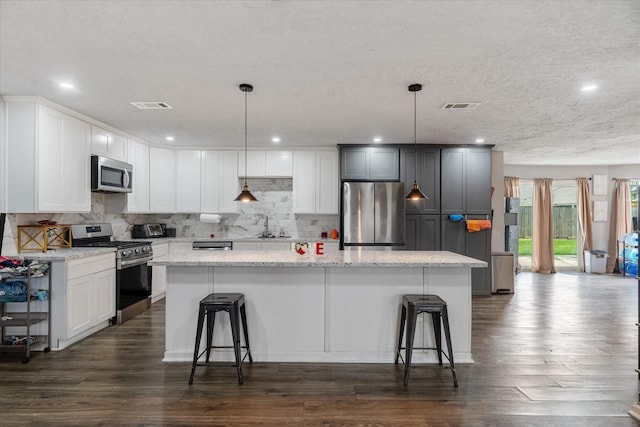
<point>245,138</point>
<point>415,138</point>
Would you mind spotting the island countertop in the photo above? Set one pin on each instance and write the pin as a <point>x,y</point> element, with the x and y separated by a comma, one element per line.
<point>351,258</point>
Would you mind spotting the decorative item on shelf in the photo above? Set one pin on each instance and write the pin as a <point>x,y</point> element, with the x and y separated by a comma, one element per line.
<point>245,195</point>
<point>301,247</point>
<point>41,238</point>
<point>415,193</point>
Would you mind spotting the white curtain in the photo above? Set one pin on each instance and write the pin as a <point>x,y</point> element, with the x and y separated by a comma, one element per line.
<point>511,186</point>
<point>542,239</point>
<point>621,222</point>
<point>585,232</point>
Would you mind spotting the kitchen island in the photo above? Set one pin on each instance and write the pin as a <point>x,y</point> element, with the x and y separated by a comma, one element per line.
<point>338,307</point>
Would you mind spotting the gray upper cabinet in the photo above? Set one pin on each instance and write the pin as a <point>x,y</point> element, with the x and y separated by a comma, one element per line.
<point>428,169</point>
<point>466,180</point>
<point>370,163</point>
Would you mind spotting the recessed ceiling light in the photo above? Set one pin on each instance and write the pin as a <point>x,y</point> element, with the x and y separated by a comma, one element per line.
<point>377,139</point>
<point>589,88</point>
<point>479,140</point>
<point>275,139</point>
<point>170,138</point>
<point>66,85</point>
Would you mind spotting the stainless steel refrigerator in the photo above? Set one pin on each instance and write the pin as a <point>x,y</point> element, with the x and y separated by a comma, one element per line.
<point>373,215</point>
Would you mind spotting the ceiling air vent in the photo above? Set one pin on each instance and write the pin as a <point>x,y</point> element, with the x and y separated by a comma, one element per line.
<point>153,105</point>
<point>460,105</point>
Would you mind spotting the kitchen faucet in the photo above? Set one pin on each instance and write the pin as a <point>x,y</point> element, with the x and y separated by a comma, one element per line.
<point>266,232</point>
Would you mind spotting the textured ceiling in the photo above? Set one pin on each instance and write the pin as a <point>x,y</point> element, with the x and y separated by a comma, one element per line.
<point>337,72</point>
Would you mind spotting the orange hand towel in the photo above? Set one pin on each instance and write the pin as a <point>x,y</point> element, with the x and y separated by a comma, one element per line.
<point>474,225</point>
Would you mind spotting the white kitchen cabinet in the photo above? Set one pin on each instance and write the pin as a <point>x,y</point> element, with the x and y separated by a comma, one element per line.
<point>256,162</point>
<point>108,144</point>
<point>266,164</point>
<point>188,180</point>
<point>79,303</point>
<point>138,156</point>
<point>90,296</point>
<point>327,182</point>
<point>279,163</point>
<point>162,180</point>
<point>304,182</point>
<point>315,182</point>
<point>210,185</point>
<point>220,184</point>
<point>46,165</point>
<point>159,272</point>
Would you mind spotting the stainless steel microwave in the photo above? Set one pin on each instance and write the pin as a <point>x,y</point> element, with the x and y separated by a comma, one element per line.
<point>110,176</point>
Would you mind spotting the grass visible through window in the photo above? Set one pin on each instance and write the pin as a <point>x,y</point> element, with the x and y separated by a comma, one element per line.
<point>560,246</point>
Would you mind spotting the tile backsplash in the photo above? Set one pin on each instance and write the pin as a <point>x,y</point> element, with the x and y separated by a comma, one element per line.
<point>274,202</point>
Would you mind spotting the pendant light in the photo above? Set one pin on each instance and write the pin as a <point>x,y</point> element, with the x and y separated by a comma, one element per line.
<point>245,195</point>
<point>415,193</point>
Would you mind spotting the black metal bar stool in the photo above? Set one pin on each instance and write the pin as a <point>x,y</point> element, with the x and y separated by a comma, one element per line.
<point>412,306</point>
<point>209,306</point>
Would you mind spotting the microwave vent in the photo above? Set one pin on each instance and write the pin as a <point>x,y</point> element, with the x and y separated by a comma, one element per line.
<point>460,105</point>
<point>152,105</point>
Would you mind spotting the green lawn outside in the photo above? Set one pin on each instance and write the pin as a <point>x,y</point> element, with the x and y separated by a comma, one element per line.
<point>560,246</point>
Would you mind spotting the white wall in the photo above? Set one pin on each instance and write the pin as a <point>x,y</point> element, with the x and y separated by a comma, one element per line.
<point>600,229</point>
<point>497,201</point>
<point>2,156</point>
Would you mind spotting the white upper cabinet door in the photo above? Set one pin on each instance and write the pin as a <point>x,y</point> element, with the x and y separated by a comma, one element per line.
<point>327,182</point>
<point>304,182</point>
<point>108,144</point>
<point>50,172</point>
<point>162,180</point>
<point>266,164</point>
<point>315,182</point>
<point>138,199</point>
<point>188,164</point>
<point>220,183</point>
<point>279,164</point>
<point>228,184</point>
<point>210,193</point>
<point>255,164</point>
<point>63,163</point>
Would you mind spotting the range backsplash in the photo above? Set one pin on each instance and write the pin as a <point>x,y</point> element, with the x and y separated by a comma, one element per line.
<point>274,201</point>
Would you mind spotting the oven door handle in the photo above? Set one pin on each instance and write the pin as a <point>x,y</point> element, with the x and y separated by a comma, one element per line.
<point>120,264</point>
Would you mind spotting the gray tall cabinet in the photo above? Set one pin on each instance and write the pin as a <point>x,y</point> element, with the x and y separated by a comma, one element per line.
<point>466,190</point>
<point>456,180</point>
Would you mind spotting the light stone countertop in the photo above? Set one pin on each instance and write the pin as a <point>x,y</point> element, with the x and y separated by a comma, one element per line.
<point>352,258</point>
<point>61,254</point>
<point>231,239</point>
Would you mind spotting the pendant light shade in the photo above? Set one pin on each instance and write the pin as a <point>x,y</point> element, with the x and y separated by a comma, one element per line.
<point>415,193</point>
<point>245,195</point>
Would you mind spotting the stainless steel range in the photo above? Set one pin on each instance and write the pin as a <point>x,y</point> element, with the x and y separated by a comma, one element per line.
<point>133,276</point>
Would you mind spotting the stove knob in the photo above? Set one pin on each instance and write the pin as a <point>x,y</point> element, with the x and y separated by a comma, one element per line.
<point>146,249</point>
<point>126,253</point>
<point>137,250</point>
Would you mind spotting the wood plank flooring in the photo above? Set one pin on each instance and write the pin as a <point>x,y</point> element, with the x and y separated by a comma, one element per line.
<point>562,351</point>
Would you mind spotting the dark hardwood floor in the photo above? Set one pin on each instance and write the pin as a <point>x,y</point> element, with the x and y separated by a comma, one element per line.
<point>562,351</point>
